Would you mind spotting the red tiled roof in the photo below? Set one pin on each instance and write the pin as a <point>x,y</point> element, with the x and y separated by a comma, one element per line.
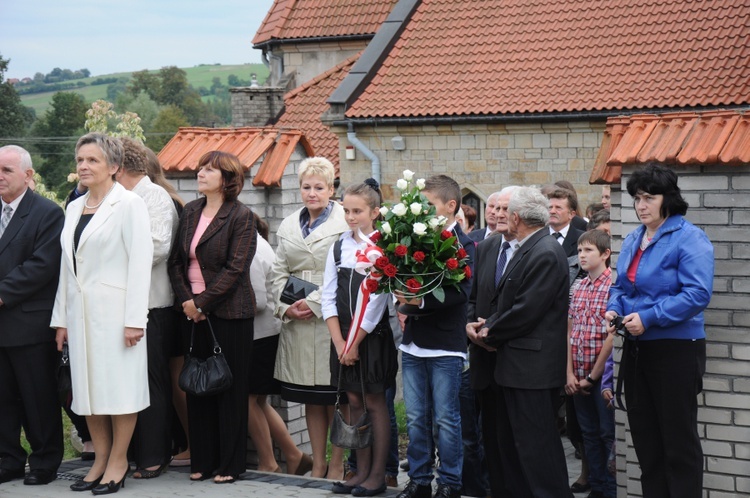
<point>304,106</point>
<point>248,144</point>
<point>495,57</point>
<point>291,19</point>
<point>679,138</point>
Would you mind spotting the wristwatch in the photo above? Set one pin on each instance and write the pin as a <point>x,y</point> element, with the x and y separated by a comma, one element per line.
<point>199,310</point>
<point>590,380</point>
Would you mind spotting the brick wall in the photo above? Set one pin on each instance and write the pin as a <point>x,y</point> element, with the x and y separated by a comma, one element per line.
<point>719,199</point>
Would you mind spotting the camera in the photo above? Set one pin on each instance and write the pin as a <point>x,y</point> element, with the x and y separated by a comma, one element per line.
<point>619,326</point>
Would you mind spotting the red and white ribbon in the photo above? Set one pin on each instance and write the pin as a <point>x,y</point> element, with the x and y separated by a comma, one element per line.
<point>365,261</point>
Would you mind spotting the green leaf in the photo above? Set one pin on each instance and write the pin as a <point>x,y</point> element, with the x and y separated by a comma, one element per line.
<point>406,241</point>
<point>439,294</point>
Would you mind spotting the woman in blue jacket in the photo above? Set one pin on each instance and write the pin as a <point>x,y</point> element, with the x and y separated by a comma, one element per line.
<point>664,282</point>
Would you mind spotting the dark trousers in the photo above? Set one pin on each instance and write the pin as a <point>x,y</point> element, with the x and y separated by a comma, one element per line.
<point>28,397</point>
<point>662,381</point>
<point>474,470</point>
<point>218,424</point>
<point>531,451</point>
<point>152,439</point>
<point>488,416</point>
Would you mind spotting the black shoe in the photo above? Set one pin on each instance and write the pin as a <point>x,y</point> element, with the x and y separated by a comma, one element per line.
<point>110,487</point>
<point>341,489</point>
<point>595,494</point>
<point>405,466</point>
<point>577,487</point>
<point>40,476</point>
<point>83,485</point>
<point>7,475</point>
<point>414,490</point>
<point>362,491</point>
<point>445,491</point>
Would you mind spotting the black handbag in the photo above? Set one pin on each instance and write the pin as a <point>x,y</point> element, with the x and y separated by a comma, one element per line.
<point>296,289</point>
<point>64,381</point>
<point>352,437</point>
<point>205,377</point>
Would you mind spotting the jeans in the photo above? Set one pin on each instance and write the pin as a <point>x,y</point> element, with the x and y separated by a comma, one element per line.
<point>431,390</point>
<point>474,475</point>
<point>597,423</point>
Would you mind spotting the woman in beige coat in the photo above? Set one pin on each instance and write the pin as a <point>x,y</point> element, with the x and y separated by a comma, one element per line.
<point>302,361</point>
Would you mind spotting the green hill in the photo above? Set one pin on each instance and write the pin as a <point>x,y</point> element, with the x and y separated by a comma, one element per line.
<point>198,76</point>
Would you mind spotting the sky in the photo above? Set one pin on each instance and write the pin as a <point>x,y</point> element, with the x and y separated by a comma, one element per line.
<point>107,36</point>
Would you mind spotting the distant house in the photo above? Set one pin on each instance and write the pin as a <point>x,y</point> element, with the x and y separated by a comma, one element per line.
<point>13,81</point>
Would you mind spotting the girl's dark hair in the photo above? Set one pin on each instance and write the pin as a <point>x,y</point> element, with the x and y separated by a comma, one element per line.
<point>656,179</point>
<point>261,226</point>
<point>369,190</point>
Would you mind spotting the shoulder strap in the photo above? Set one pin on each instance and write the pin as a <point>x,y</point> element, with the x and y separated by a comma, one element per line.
<point>337,253</point>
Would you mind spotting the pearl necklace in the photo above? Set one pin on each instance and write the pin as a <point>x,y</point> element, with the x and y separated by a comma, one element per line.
<point>88,194</point>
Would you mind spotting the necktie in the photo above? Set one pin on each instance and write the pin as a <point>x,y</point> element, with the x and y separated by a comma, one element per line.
<point>7,212</point>
<point>501,262</point>
<point>557,235</point>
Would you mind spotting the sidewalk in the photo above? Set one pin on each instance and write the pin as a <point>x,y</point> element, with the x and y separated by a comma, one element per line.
<point>175,482</point>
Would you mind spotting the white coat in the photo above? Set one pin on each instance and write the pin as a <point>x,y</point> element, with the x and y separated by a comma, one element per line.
<point>108,292</point>
<point>304,345</point>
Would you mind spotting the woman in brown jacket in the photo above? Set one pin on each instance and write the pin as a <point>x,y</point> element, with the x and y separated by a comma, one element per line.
<point>208,269</point>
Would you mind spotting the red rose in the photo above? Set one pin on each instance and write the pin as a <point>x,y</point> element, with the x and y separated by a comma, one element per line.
<point>461,253</point>
<point>451,264</point>
<point>445,235</point>
<point>467,271</point>
<point>413,285</point>
<point>381,262</point>
<point>390,270</point>
<point>418,256</point>
<point>371,284</point>
<point>401,251</point>
<point>375,237</point>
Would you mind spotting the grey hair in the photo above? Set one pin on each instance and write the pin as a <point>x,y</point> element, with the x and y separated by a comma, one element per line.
<point>508,190</point>
<point>111,147</point>
<point>24,158</point>
<point>493,194</point>
<point>531,205</point>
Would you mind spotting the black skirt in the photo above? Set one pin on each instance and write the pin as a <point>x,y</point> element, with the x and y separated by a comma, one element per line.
<point>378,359</point>
<point>261,367</point>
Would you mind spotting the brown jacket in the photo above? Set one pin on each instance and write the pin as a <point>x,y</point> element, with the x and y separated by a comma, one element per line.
<point>224,252</point>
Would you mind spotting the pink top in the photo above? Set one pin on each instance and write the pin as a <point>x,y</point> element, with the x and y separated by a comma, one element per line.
<point>195,277</point>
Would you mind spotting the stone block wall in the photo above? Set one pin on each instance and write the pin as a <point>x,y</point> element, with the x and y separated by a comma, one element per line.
<point>719,199</point>
<point>255,106</point>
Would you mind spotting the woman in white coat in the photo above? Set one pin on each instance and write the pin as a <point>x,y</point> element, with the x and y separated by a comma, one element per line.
<point>101,308</point>
<point>302,361</point>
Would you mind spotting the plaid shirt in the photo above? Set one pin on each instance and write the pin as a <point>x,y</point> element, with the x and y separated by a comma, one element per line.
<point>589,327</point>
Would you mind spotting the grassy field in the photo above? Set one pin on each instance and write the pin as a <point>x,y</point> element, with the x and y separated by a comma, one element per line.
<point>197,76</point>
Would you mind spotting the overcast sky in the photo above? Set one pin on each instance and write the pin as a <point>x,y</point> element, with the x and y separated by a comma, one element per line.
<point>107,36</point>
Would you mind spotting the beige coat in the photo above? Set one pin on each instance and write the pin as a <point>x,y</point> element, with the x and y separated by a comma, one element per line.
<point>108,293</point>
<point>304,345</point>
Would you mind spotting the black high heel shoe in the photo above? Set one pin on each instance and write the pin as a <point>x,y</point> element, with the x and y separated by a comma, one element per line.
<point>83,485</point>
<point>110,487</point>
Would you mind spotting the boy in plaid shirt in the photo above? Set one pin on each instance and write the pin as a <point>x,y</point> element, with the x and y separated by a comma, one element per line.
<point>589,347</point>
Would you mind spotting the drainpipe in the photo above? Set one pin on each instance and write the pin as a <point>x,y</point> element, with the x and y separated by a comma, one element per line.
<point>351,135</point>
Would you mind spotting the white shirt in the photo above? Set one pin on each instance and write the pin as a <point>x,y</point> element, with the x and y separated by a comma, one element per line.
<point>265,323</point>
<point>512,246</point>
<point>563,232</point>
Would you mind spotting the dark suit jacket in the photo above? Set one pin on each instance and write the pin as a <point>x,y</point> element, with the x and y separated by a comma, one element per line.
<point>529,328</point>
<point>29,270</point>
<point>570,243</point>
<point>477,235</point>
<point>578,223</point>
<point>224,252</point>
<point>448,317</point>
<point>483,303</point>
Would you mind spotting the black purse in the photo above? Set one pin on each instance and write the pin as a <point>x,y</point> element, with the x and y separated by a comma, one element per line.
<point>64,381</point>
<point>296,289</point>
<point>352,437</point>
<point>205,377</point>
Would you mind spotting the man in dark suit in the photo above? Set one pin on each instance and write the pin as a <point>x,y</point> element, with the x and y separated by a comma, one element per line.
<point>562,207</point>
<point>30,227</point>
<point>479,234</point>
<point>492,258</point>
<point>529,331</point>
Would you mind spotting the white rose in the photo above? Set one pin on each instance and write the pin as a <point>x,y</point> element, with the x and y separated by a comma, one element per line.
<point>401,184</point>
<point>408,175</point>
<point>420,228</point>
<point>442,220</point>
<point>399,209</point>
<point>383,210</point>
<point>386,228</point>
<point>420,183</point>
<point>416,208</point>
<point>434,223</point>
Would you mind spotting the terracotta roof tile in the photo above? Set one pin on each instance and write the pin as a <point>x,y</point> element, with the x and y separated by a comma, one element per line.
<point>304,106</point>
<point>494,57</point>
<point>292,19</point>
<point>710,138</point>
<point>182,153</point>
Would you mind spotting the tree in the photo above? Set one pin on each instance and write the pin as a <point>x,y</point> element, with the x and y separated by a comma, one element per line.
<point>165,126</point>
<point>174,86</point>
<point>13,114</point>
<point>144,81</point>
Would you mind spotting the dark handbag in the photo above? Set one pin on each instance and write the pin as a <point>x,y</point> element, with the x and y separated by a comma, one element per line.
<point>352,437</point>
<point>296,289</point>
<point>205,377</point>
<point>64,381</point>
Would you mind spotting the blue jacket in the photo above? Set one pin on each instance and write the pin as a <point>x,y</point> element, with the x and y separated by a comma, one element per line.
<point>673,282</point>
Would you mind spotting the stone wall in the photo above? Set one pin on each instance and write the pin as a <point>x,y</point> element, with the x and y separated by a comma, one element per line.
<point>719,199</point>
<point>255,106</point>
<point>307,60</point>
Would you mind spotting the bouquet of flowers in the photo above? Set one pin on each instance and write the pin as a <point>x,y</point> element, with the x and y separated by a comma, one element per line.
<point>416,255</point>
